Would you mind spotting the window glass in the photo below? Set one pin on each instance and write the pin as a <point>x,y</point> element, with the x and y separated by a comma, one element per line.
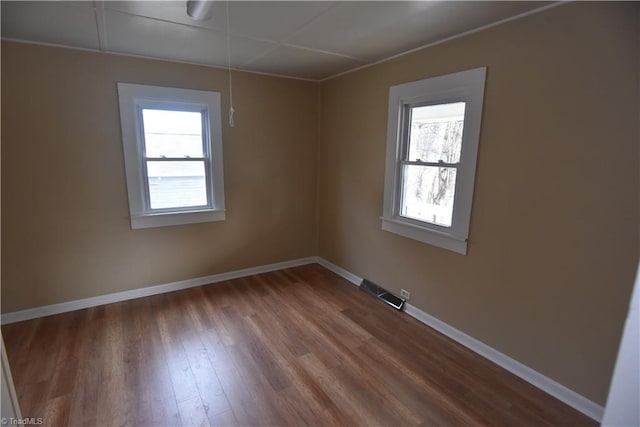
<point>436,133</point>
<point>428,194</point>
<point>433,130</point>
<point>172,144</point>
<point>174,184</point>
<point>172,133</point>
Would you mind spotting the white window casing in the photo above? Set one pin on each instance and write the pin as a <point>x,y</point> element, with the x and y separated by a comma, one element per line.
<point>133,99</point>
<point>464,86</point>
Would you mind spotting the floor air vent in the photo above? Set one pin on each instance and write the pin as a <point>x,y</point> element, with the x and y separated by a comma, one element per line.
<point>382,294</point>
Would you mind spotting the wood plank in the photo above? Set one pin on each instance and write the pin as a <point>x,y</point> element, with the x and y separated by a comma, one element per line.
<point>299,346</point>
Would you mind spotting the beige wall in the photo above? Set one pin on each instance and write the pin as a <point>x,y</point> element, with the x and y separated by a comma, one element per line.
<point>65,226</point>
<point>554,230</point>
<point>553,242</point>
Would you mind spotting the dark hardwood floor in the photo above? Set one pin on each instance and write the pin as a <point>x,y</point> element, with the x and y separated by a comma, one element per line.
<point>293,347</point>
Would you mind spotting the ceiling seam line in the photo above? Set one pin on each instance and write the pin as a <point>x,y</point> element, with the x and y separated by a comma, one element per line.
<point>176,61</point>
<point>326,52</point>
<point>98,13</point>
<point>197,27</point>
<point>309,22</point>
<point>450,38</point>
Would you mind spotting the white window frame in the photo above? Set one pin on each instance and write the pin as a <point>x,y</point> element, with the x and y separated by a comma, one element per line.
<point>464,86</point>
<point>132,99</point>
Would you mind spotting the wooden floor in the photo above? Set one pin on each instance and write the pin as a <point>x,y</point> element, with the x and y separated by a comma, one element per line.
<point>294,347</point>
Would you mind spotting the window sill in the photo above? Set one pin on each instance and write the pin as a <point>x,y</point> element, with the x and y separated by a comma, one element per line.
<point>176,218</point>
<point>424,235</point>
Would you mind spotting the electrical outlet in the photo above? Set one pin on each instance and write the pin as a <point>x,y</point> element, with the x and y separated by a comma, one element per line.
<point>405,294</point>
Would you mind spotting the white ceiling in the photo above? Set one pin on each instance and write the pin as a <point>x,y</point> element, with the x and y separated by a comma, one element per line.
<point>309,39</point>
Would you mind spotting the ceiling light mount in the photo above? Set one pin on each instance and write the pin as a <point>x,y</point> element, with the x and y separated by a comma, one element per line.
<point>199,10</point>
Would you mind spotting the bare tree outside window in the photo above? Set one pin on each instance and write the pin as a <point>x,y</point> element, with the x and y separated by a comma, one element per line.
<point>430,171</point>
<point>433,131</point>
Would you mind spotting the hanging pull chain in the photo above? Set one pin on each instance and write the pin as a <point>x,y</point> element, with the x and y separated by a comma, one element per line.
<point>231,110</point>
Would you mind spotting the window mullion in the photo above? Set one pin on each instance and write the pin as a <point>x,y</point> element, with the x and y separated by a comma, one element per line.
<point>440,164</point>
<point>176,159</point>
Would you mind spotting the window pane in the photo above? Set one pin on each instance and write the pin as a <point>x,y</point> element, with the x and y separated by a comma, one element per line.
<point>436,133</point>
<point>176,184</point>
<point>172,133</point>
<point>427,194</point>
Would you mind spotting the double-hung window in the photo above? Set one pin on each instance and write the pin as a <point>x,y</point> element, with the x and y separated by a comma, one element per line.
<point>172,143</point>
<point>432,144</point>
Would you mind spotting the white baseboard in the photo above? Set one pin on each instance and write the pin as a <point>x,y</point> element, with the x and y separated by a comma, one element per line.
<point>48,310</point>
<point>340,271</point>
<point>546,384</point>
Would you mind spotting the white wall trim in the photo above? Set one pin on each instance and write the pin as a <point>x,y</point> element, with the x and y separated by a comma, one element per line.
<point>340,271</point>
<point>48,310</point>
<point>560,392</point>
<point>315,80</point>
<point>546,384</point>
